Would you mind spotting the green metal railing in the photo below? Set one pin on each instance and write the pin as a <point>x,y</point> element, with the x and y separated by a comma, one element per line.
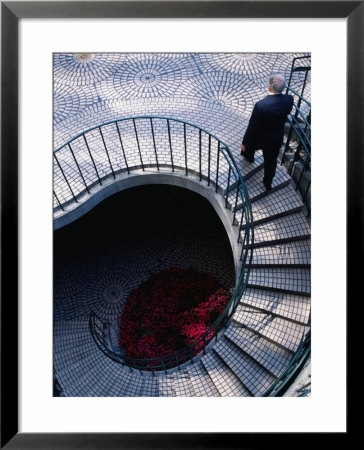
<point>283,382</point>
<point>159,144</point>
<point>297,152</point>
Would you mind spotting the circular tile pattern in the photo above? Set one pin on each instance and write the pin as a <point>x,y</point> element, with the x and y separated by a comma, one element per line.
<point>251,65</point>
<point>80,69</point>
<point>221,91</point>
<point>143,76</point>
<point>69,100</point>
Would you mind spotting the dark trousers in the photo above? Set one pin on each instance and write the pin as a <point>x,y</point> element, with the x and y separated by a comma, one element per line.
<point>270,155</point>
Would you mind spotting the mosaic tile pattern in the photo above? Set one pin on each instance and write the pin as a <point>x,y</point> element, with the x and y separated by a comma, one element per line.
<point>268,355</point>
<point>296,253</point>
<point>223,378</point>
<point>293,307</point>
<point>289,227</point>
<point>217,92</point>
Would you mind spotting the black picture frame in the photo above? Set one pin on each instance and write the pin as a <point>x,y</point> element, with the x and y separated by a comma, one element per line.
<point>11,12</point>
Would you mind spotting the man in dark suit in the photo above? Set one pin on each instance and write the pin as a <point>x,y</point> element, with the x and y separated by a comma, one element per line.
<point>266,127</point>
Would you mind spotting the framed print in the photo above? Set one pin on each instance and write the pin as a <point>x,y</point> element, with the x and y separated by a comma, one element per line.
<point>146,103</point>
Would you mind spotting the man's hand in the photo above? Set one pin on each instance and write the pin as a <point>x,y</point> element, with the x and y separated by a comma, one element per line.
<point>243,148</point>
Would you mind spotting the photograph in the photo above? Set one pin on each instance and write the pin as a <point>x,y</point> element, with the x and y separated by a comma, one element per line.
<point>181,224</point>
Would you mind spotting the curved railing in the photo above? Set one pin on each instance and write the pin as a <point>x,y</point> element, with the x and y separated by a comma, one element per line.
<point>155,144</point>
<point>297,150</point>
<point>284,381</point>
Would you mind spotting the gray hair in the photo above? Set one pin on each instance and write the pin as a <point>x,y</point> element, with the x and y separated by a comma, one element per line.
<point>277,83</point>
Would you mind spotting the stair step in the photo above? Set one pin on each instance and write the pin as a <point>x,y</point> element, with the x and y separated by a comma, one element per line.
<point>274,359</point>
<point>253,376</point>
<point>289,306</point>
<point>294,281</point>
<point>256,187</point>
<point>182,384</point>
<point>281,332</point>
<point>276,204</point>
<point>248,169</point>
<point>283,229</point>
<point>223,378</point>
<point>165,387</point>
<point>123,382</point>
<point>296,253</point>
<point>201,382</point>
<point>150,387</point>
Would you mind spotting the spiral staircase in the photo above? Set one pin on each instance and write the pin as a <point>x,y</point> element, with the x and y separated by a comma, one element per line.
<point>266,337</point>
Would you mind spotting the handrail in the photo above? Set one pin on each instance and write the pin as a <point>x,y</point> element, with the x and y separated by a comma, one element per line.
<point>286,378</point>
<point>223,174</point>
<point>290,88</point>
<point>300,133</point>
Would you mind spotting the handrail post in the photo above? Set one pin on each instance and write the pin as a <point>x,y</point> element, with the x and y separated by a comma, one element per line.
<point>137,139</point>
<point>170,143</point>
<point>92,159</point>
<point>217,166</point>
<point>65,178</point>
<point>107,153</point>
<point>78,167</point>
<point>155,148</point>
<point>122,148</point>
<point>185,141</point>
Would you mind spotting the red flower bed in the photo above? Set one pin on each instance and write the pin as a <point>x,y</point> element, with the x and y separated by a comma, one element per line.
<point>169,311</point>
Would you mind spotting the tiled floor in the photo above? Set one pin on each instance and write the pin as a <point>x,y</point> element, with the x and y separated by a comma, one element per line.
<point>217,92</point>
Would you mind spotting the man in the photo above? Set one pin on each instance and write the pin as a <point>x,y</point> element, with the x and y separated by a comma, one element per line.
<point>266,127</point>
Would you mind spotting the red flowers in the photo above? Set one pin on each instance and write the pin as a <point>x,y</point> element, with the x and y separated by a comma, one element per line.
<point>171,310</point>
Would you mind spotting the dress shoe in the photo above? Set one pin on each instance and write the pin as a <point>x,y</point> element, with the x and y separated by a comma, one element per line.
<point>268,187</point>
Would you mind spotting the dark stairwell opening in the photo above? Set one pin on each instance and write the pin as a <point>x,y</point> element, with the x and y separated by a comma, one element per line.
<point>100,258</point>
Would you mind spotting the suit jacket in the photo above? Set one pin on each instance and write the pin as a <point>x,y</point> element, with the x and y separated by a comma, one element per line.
<point>266,124</point>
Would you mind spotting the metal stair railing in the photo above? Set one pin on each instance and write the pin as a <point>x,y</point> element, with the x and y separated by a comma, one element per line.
<point>297,151</point>
<point>284,381</point>
<point>157,144</point>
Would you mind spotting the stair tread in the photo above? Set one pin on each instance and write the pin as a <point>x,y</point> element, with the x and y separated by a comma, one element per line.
<point>290,306</point>
<point>255,184</point>
<point>246,167</point>
<point>298,253</point>
<point>182,384</point>
<point>201,382</point>
<point>253,376</point>
<point>223,378</point>
<point>273,358</point>
<point>275,203</point>
<point>293,226</point>
<point>282,332</point>
<point>284,279</point>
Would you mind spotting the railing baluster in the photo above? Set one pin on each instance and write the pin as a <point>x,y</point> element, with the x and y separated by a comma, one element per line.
<point>236,204</point>
<point>107,153</point>
<point>185,140</point>
<point>122,148</point>
<point>137,139</point>
<point>209,162</point>
<point>78,167</point>
<point>155,148</point>
<point>65,178</point>
<point>217,166</point>
<point>200,152</point>
<point>93,162</point>
<point>170,144</point>
<point>60,204</point>
<point>228,187</point>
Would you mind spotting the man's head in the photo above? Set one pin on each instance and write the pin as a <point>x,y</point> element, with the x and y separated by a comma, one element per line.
<point>276,83</point>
